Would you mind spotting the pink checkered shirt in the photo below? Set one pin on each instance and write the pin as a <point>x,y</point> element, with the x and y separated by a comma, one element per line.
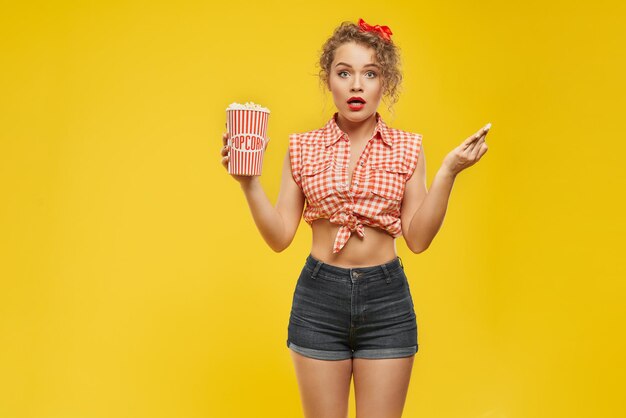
<point>319,164</point>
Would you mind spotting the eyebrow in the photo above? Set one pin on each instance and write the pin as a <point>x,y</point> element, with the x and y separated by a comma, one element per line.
<point>366,65</point>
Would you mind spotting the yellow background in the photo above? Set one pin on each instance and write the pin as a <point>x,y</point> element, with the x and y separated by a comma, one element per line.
<point>134,282</point>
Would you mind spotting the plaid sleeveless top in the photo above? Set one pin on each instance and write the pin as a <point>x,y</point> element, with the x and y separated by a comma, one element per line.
<point>319,164</point>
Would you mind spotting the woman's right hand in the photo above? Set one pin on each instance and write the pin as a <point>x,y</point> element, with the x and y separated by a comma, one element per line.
<point>225,152</point>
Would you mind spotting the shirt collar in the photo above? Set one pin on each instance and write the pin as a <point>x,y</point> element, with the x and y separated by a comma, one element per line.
<point>333,132</point>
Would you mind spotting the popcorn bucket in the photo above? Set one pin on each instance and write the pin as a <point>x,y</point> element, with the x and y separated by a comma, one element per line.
<point>247,136</point>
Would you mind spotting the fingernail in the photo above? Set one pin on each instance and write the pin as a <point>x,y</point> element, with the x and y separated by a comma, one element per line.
<point>488,126</point>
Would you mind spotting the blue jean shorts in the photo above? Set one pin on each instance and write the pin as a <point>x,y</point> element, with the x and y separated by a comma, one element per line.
<point>339,313</point>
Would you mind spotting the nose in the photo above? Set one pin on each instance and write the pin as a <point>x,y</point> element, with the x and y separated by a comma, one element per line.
<point>356,86</point>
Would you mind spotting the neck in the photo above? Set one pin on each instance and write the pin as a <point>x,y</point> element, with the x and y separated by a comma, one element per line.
<point>357,130</point>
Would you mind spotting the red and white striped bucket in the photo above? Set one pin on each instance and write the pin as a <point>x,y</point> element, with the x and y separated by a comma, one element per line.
<point>247,136</point>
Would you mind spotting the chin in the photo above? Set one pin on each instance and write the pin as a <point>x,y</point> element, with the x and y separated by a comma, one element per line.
<point>356,116</point>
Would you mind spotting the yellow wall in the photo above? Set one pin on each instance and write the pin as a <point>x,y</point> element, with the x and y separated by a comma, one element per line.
<point>133,282</point>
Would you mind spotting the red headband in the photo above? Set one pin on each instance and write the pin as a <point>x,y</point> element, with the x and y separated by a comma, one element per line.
<point>383,31</point>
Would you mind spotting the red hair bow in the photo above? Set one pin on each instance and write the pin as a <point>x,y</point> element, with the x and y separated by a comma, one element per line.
<point>383,31</point>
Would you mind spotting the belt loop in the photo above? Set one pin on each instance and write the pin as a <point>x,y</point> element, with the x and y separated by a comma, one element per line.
<point>401,265</point>
<point>387,275</point>
<point>316,269</point>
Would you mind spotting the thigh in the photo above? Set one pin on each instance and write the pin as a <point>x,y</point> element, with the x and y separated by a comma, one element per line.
<point>381,386</point>
<point>324,386</point>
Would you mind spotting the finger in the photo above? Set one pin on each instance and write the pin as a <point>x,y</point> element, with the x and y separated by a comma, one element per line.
<point>478,152</point>
<point>225,149</point>
<point>224,138</point>
<point>483,150</point>
<point>477,147</point>
<point>481,141</point>
<point>470,148</point>
<point>469,141</point>
<point>225,161</point>
<point>481,134</point>
<point>482,131</point>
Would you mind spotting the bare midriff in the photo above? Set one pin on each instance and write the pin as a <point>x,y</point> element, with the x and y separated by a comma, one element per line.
<point>377,247</point>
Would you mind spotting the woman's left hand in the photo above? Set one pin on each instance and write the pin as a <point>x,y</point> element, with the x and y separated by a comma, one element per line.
<point>468,153</point>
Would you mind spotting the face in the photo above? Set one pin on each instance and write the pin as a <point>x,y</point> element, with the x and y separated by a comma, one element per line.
<point>352,75</point>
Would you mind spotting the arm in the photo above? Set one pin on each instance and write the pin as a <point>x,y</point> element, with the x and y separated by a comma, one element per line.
<point>277,225</point>
<point>423,210</point>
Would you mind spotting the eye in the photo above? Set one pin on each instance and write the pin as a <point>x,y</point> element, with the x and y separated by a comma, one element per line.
<point>373,74</point>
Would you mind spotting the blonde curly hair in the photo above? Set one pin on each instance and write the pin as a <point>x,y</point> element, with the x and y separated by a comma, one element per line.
<point>387,56</point>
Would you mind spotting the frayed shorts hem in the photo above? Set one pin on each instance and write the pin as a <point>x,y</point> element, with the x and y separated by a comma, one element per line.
<point>344,355</point>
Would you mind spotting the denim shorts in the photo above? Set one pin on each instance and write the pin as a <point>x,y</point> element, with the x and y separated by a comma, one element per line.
<point>363,312</point>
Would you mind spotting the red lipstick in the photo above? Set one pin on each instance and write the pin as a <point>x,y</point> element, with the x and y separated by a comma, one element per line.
<point>356,103</point>
<point>356,98</point>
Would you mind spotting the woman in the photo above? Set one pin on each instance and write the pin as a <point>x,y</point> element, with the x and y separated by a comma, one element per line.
<point>364,184</point>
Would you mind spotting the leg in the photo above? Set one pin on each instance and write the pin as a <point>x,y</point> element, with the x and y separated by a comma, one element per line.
<point>381,385</point>
<point>324,385</point>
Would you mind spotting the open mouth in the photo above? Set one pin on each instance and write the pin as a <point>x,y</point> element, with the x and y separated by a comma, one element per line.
<point>356,105</point>
<point>356,101</point>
